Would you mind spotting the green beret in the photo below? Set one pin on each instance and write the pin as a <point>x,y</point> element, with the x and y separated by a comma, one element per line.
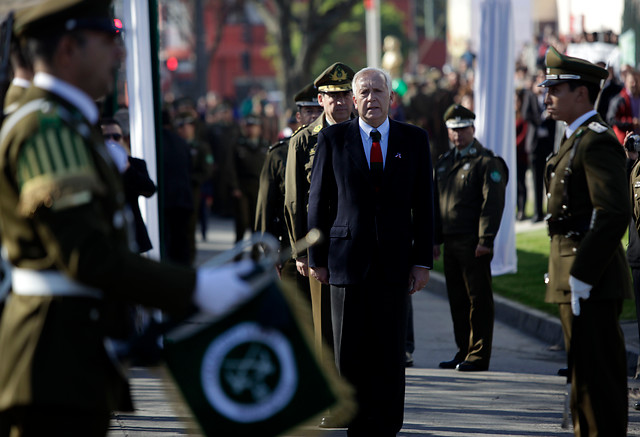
<point>457,116</point>
<point>307,96</point>
<point>64,15</point>
<point>562,68</point>
<point>336,78</point>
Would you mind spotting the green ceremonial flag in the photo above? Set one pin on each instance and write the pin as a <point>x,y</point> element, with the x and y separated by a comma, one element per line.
<point>253,372</point>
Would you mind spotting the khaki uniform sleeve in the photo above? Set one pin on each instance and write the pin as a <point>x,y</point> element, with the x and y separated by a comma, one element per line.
<point>493,192</point>
<point>296,192</point>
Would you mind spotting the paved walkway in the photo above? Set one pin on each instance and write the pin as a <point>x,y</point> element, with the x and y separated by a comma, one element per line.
<point>520,396</point>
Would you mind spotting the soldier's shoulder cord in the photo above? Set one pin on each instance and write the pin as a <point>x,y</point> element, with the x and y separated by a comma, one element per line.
<point>568,171</point>
<point>279,144</point>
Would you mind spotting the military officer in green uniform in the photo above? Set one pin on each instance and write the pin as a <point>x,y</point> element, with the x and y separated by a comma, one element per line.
<point>243,172</point>
<point>589,209</point>
<point>335,97</point>
<point>270,208</point>
<point>470,184</point>
<point>62,211</point>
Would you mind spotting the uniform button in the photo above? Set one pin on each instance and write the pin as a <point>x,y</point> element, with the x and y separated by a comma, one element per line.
<point>575,249</point>
<point>548,195</point>
<point>553,174</point>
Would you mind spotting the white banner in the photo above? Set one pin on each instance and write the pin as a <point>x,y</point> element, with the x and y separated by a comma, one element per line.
<point>495,117</point>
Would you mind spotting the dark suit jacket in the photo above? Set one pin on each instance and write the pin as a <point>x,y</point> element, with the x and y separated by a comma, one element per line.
<point>138,183</point>
<point>396,224</point>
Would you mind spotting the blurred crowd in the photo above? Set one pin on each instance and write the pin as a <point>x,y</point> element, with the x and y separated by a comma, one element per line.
<point>228,141</point>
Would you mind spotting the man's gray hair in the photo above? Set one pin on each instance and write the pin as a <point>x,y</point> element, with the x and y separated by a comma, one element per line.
<point>384,73</point>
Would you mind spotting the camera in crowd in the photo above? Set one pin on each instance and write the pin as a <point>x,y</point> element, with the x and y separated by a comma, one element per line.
<point>633,143</point>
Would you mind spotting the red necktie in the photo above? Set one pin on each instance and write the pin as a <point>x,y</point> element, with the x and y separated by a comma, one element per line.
<point>376,165</point>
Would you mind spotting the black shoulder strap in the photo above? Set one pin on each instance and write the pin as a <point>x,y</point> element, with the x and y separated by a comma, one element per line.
<point>568,171</point>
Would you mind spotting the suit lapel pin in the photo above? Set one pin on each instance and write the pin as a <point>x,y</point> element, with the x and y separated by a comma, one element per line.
<point>398,155</point>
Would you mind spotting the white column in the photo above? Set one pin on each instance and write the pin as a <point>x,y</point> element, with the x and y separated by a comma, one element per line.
<point>141,106</point>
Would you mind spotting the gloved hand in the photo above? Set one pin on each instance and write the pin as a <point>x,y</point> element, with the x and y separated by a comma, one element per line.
<point>579,290</point>
<point>219,290</point>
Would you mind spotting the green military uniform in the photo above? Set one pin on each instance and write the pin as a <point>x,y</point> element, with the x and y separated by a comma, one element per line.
<point>470,200</point>
<point>15,92</point>
<point>302,149</point>
<point>588,205</point>
<point>201,169</point>
<point>63,209</point>
<point>246,162</point>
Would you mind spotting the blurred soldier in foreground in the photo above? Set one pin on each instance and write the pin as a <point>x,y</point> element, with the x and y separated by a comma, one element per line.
<point>589,277</point>
<point>470,184</point>
<point>62,213</point>
<point>270,208</point>
<point>334,94</point>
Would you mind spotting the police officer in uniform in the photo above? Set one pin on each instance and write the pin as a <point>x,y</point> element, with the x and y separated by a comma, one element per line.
<point>246,162</point>
<point>66,233</point>
<point>470,184</point>
<point>335,96</point>
<point>270,208</point>
<point>588,206</point>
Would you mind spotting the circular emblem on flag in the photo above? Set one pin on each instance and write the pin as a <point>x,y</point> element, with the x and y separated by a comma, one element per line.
<point>249,373</point>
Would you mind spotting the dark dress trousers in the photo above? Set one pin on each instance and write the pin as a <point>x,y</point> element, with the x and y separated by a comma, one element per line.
<point>371,242</point>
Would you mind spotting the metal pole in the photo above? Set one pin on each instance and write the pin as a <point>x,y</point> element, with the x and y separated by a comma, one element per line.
<point>372,21</point>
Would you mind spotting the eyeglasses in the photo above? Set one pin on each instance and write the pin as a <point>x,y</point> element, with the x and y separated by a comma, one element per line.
<point>114,137</point>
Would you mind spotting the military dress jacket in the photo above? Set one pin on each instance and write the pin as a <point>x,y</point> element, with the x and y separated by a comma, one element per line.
<point>12,97</point>
<point>597,193</point>
<point>302,150</point>
<point>270,207</point>
<point>470,194</point>
<point>62,209</point>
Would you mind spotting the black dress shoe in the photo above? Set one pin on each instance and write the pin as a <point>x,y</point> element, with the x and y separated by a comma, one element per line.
<point>332,422</point>
<point>563,371</point>
<point>466,366</point>
<point>449,364</point>
<point>636,406</point>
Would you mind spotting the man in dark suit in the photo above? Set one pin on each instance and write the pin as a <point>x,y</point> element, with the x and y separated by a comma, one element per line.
<point>371,196</point>
<point>588,273</point>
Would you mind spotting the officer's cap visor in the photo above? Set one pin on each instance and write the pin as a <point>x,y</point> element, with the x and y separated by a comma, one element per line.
<point>458,123</point>
<point>551,82</point>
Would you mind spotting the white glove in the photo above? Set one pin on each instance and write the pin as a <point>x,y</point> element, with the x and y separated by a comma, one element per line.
<point>579,290</point>
<point>219,290</point>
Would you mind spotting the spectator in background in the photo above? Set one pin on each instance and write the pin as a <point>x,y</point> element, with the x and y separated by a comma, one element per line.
<point>178,202</point>
<point>243,170</point>
<point>611,88</point>
<point>201,172</point>
<point>522,162</point>
<point>624,108</point>
<point>136,181</point>
<point>223,134</point>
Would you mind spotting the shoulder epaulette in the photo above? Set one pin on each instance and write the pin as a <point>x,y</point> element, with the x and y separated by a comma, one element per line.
<point>597,127</point>
<point>278,144</point>
<point>298,130</point>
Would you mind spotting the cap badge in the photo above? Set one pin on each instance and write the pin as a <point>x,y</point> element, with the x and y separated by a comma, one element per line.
<point>338,74</point>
